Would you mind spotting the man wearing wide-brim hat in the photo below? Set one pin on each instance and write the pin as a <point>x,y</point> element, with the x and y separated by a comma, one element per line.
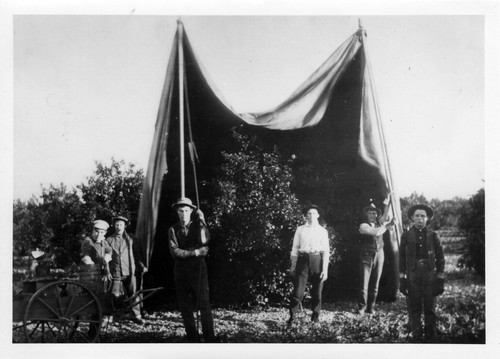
<point>371,257</point>
<point>188,242</point>
<point>421,272</point>
<point>310,256</point>
<point>126,265</point>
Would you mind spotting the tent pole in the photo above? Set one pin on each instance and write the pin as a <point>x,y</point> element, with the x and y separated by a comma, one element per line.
<point>191,145</point>
<point>181,109</point>
<point>388,172</point>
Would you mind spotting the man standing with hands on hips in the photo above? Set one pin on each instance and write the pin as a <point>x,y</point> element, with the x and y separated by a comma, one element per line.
<point>310,257</point>
<point>421,272</point>
<point>188,243</point>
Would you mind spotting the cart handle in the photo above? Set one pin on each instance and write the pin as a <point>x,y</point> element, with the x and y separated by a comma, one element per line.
<point>129,301</point>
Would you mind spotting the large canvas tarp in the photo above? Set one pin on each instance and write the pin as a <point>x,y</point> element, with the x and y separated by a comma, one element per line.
<point>331,124</point>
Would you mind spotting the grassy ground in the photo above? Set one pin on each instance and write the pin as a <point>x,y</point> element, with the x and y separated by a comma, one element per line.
<point>461,318</point>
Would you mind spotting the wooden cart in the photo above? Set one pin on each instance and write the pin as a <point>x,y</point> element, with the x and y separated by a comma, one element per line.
<point>68,310</point>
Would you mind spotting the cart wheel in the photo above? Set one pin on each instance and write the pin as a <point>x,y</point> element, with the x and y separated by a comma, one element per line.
<point>63,312</point>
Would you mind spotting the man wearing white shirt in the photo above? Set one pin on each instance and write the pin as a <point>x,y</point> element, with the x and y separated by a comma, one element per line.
<point>310,256</point>
<point>371,255</point>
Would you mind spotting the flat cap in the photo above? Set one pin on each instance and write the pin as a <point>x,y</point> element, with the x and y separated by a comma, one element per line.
<point>100,224</point>
<point>120,218</point>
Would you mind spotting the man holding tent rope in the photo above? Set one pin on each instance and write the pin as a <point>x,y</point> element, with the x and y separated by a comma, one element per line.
<point>188,243</point>
<point>371,257</point>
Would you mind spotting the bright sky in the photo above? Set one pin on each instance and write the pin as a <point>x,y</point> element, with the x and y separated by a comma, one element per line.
<point>87,88</point>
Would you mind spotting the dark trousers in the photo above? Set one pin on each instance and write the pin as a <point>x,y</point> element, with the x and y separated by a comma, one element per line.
<point>309,267</point>
<point>125,287</point>
<point>370,266</point>
<point>191,284</point>
<point>421,296</point>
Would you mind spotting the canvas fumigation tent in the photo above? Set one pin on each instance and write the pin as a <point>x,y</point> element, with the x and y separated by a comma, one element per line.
<point>331,122</point>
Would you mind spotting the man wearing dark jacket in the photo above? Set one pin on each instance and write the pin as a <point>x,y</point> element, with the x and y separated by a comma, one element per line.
<point>421,267</point>
<point>188,243</point>
<point>126,263</point>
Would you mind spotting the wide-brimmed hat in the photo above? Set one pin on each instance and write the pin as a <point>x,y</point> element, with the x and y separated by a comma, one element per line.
<point>311,206</point>
<point>120,218</point>
<point>183,201</point>
<point>100,224</point>
<point>372,207</point>
<point>427,209</point>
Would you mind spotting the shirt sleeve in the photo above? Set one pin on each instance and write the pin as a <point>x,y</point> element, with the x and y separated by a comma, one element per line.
<point>173,244</point>
<point>204,234</point>
<point>402,254</point>
<point>108,252</point>
<point>365,228</point>
<point>295,244</point>
<point>107,249</point>
<point>85,249</point>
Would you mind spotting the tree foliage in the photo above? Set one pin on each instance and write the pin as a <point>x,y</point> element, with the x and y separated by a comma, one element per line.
<point>472,222</point>
<point>112,190</point>
<point>254,218</point>
<point>446,213</point>
<point>29,229</point>
<point>60,218</point>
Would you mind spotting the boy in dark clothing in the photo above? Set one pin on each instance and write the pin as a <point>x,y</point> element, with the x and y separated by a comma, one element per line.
<point>421,267</point>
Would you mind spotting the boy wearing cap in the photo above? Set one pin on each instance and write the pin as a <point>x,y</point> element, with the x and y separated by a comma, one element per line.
<point>126,262</point>
<point>95,250</point>
<point>371,260</point>
<point>421,272</point>
<point>310,257</point>
<point>188,243</point>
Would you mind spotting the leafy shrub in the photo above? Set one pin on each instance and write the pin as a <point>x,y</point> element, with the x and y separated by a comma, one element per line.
<point>52,224</point>
<point>112,190</point>
<point>472,222</point>
<point>60,218</point>
<point>254,219</point>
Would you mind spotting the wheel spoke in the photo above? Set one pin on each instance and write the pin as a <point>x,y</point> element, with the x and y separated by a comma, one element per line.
<point>52,331</point>
<point>69,306</point>
<point>48,307</point>
<point>66,318</point>
<point>34,329</point>
<point>81,308</point>
<point>59,302</point>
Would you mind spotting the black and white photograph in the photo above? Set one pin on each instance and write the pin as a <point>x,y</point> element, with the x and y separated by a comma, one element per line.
<point>249,180</point>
